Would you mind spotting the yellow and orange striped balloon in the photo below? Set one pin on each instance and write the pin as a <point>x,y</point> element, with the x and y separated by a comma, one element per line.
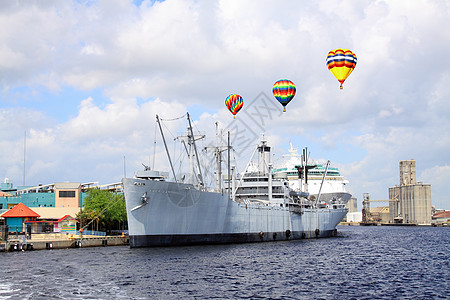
<point>341,63</point>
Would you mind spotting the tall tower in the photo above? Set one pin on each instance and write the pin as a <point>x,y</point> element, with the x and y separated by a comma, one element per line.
<point>407,172</point>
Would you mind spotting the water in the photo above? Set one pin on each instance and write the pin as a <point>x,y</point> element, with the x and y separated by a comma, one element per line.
<point>360,263</point>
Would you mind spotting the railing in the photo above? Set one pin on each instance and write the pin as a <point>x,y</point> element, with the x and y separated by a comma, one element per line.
<point>93,232</point>
<point>65,234</point>
<point>257,192</point>
<point>45,235</point>
<point>49,236</point>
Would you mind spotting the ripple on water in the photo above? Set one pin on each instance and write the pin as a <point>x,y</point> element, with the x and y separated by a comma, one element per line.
<point>361,263</point>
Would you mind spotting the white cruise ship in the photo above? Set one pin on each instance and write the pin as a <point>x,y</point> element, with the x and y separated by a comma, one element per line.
<point>320,181</point>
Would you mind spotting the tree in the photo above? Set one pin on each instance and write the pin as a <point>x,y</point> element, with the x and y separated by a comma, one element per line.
<point>104,209</point>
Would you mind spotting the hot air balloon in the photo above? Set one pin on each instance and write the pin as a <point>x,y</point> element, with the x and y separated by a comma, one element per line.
<point>284,90</point>
<point>234,103</point>
<point>341,63</point>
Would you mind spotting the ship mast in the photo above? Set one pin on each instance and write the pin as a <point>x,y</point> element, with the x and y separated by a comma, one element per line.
<point>167,150</point>
<point>218,149</point>
<point>218,155</point>
<point>229,163</point>
<point>191,142</point>
<point>303,171</point>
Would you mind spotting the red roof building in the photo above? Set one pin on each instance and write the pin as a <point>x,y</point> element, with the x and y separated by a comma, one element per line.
<point>64,224</point>
<point>20,211</point>
<point>442,214</point>
<point>441,217</point>
<point>17,216</point>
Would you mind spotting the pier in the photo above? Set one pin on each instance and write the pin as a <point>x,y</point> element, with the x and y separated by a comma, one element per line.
<point>53,241</point>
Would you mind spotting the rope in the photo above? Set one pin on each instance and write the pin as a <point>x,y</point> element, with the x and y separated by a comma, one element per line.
<point>96,218</point>
<point>174,119</point>
<point>174,138</point>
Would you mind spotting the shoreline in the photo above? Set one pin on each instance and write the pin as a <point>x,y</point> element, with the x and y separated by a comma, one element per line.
<point>13,245</point>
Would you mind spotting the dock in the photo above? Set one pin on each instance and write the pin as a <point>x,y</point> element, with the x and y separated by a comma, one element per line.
<point>50,243</point>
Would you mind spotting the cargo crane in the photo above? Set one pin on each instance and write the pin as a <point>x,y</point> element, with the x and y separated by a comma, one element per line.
<point>367,217</point>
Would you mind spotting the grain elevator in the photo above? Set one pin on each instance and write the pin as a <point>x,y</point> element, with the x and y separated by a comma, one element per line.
<point>413,205</point>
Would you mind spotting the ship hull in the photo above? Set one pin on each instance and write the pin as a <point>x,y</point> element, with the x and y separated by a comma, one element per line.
<point>222,238</point>
<point>164,213</point>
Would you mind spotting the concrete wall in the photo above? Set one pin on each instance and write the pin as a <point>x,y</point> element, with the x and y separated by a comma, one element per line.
<point>414,203</point>
<point>354,217</point>
<point>352,205</point>
<point>51,244</point>
<point>62,200</point>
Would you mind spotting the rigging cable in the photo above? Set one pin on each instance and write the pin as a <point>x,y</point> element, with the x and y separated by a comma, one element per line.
<point>168,130</point>
<point>174,119</point>
<point>154,148</point>
<point>100,214</point>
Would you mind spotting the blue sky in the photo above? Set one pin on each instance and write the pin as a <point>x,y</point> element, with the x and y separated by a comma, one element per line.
<point>86,83</point>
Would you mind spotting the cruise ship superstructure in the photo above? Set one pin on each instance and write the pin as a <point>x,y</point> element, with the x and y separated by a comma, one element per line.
<point>320,180</point>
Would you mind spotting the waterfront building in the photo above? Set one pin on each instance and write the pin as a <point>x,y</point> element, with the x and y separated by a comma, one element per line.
<point>59,194</point>
<point>354,217</point>
<point>352,205</point>
<point>56,205</point>
<point>442,217</point>
<point>64,224</point>
<point>22,219</point>
<point>380,214</point>
<point>17,217</point>
<point>49,195</point>
<point>413,199</point>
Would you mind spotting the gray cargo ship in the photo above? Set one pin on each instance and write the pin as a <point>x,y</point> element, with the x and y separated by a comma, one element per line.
<point>254,207</point>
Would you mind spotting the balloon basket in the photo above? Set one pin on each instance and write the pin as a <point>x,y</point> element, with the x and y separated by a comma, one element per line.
<point>284,109</point>
<point>341,87</point>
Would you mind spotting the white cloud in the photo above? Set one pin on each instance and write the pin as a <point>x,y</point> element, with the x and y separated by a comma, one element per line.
<point>75,150</point>
<point>439,178</point>
<point>173,55</point>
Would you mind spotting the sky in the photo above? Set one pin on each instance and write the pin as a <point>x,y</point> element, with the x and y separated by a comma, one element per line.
<point>81,83</point>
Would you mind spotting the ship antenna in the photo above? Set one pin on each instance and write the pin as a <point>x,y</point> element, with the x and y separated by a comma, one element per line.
<point>154,149</point>
<point>165,145</point>
<point>229,166</point>
<point>306,165</point>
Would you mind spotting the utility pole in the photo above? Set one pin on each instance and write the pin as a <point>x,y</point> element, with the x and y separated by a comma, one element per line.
<point>24,155</point>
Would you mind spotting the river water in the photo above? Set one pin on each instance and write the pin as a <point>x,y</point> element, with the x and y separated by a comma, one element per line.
<point>360,263</point>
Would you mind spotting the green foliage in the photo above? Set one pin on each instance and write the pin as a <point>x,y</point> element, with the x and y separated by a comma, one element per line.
<point>106,209</point>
